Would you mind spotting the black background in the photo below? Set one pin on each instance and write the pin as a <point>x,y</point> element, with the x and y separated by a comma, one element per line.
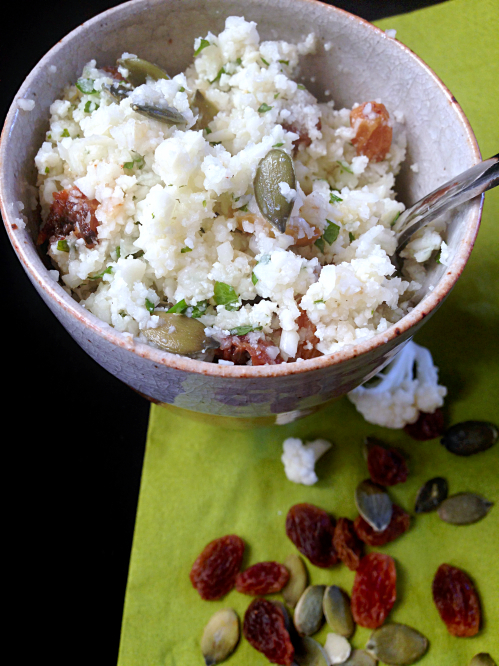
<point>73,435</point>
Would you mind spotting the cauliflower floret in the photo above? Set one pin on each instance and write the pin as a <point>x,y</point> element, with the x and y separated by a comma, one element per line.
<point>402,392</point>
<point>299,459</point>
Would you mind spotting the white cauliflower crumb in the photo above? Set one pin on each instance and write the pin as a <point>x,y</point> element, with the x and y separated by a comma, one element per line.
<point>299,459</point>
<point>391,33</point>
<point>26,104</point>
<point>402,391</point>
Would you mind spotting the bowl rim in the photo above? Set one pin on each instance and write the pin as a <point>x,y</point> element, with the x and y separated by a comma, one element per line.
<point>54,292</point>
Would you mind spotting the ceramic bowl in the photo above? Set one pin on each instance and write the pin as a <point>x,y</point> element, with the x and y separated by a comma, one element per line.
<point>363,64</point>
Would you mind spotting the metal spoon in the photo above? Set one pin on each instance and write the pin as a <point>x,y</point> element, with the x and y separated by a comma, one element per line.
<point>467,185</point>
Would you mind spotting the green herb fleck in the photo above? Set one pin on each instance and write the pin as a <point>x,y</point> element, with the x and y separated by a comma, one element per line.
<point>118,252</point>
<point>47,170</point>
<point>86,86</point>
<point>264,61</point>
<point>284,62</point>
<point>135,255</point>
<point>277,145</point>
<point>138,224</point>
<point>88,104</point>
<point>181,89</point>
<point>331,233</point>
<point>320,244</point>
<point>63,246</point>
<point>264,108</point>
<point>204,203</point>
<point>276,95</point>
<point>185,249</point>
<point>202,45</point>
<point>233,308</point>
<point>64,132</point>
<point>137,160</point>
<point>178,308</point>
<point>49,136</point>
<point>218,76</point>
<point>254,279</point>
<point>239,61</point>
<point>301,87</point>
<point>244,208</point>
<point>344,167</point>
<point>439,256</point>
<point>224,294</point>
<point>199,309</point>
<point>108,271</point>
<point>351,237</point>
<point>334,198</point>
<point>149,306</point>
<point>235,199</point>
<point>122,313</point>
<point>208,130</point>
<point>321,300</point>
<point>392,223</point>
<point>215,143</point>
<point>244,330</point>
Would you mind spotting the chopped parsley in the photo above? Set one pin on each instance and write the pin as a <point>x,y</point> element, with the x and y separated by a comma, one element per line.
<point>334,198</point>
<point>138,224</point>
<point>276,95</point>
<point>47,170</point>
<point>264,61</point>
<point>86,86</point>
<point>88,104</point>
<point>284,62</point>
<point>239,61</point>
<point>254,279</point>
<point>331,233</point>
<point>118,252</point>
<point>181,89</point>
<point>122,313</point>
<point>63,246</point>
<point>149,306</point>
<point>218,76</point>
<point>244,208</point>
<point>204,203</point>
<point>108,271</point>
<point>65,132</point>
<point>351,237</point>
<point>208,130</point>
<point>243,330</point>
<point>178,308</point>
<point>185,249</point>
<point>202,45</point>
<point>135,255</point>
<point>199,309</point>
<point>215,143</point>
<point>320,244</point>
<point>264,108</point>
<point>439,255</point>
<point>277,145</point>
<point>392,223</point>
<point>321,300</point>
<point>136,160</point>
<point>301,86</point>
<point>224,294</point>
<point>344,166</point>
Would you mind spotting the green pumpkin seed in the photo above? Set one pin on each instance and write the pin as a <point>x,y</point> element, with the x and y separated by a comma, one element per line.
<point>374,505</point>
<point>309,615</point>
<point>276,167</point>
<point>206,111</point>
<point>360,658</point>
<point>470,437</point>
<point>337,648</point>
<point>431,495</point>
<point>482,659</point>
<point>336,607</point>
<point>220,636</point>
<point>297,581</point>
<point>178,334</point>
<point>464,509</point>
<point>140,70</point>
<point>118,90</point>
<point>397,644</point>
<point>168,115</point>
<point>310,653</point>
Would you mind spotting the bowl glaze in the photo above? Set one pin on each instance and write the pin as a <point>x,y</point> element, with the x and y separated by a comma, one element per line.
<point>363,63</point>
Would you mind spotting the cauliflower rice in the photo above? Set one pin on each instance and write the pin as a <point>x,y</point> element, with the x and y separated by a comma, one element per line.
<point>177,215</point>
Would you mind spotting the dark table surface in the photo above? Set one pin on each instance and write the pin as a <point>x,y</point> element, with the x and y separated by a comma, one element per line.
<point>77,436</point>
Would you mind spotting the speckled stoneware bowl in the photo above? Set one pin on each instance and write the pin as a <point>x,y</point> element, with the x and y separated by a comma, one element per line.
<point>363,64</point>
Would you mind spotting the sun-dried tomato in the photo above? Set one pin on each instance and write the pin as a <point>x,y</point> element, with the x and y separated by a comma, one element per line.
<point>308,340</point>
<point>214,572</point>
<point>264,628</point>
<point>239,350</point>
<point>262,578</point>
<point>114,72</point>
<point>457,601</point>
<point>374,590</point>
<point>347,543</point>
<point>400,523</point>
<point>373,131</point>
<point>386,466</point>
<point>71,211</point>
<point>303,137</point>
<point>312,530</point>
<point>428,426</point>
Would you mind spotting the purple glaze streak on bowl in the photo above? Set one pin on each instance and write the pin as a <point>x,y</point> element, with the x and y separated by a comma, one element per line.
<point>363,63</point>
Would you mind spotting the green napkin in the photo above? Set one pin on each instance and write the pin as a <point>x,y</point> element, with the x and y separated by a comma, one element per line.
<point>201,482</point>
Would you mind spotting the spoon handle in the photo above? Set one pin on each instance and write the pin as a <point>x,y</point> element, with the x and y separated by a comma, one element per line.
<point>465,186</point>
